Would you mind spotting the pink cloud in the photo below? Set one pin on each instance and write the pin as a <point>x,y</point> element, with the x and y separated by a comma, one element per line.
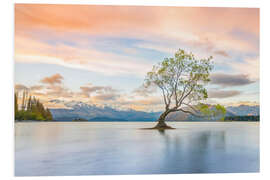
<point>98,19</point>
<point>207,29</point>
<point>54,79</point>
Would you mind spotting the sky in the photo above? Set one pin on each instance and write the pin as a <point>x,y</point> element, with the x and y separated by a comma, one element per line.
<point>100,54</point>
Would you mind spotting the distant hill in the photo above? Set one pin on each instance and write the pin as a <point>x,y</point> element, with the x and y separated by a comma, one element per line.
<point>244,110</point>
<point>92,112</point>
<point>82,110</point>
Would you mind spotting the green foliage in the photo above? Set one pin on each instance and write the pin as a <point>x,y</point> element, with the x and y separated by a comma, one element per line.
<point>204,109</point>
<point>181,77</point>
<point>220,111</point>
<point>212,111</point>
<point>182,80</point>
<point>31,109</point>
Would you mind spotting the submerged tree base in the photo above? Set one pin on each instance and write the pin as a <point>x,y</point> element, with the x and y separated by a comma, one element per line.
<point>161,126</point>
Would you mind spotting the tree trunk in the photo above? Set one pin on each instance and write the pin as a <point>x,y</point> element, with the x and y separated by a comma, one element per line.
<point>161,121</point>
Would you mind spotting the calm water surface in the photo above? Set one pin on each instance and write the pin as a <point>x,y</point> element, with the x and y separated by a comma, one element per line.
<point>98,148</point>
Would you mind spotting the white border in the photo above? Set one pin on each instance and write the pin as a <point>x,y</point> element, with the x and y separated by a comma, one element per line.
<point>6,108</point>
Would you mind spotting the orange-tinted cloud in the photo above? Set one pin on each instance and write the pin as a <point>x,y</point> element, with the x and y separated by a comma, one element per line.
<point>98,19</point>
<point>20,87</point>
<point>36,87</point>
<point>63,35</point>
<point>212,30</point>
<point>54,79</point>
<point>186,23</point>
<point>222,53</point>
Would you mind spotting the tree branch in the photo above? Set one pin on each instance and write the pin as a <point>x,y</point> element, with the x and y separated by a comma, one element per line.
<point>193,108</point>
<point>164,97</point>
<point>184,90</point>
<point>189,112</point>
<point>176,84</point>
<point>181,100</point>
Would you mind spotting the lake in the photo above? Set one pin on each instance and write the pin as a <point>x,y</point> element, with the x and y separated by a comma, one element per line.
<point>104,148</point>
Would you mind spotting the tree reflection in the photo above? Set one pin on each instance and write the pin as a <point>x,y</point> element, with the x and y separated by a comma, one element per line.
<point>192,151</point>
<point>161,131</point>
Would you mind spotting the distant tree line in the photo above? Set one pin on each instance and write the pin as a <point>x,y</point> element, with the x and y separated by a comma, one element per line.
<point>31,109</point>
<point>242,118</point>
<point>79,119</point>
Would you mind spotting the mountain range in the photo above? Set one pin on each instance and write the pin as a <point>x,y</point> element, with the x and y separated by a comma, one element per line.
<point>94,113</point>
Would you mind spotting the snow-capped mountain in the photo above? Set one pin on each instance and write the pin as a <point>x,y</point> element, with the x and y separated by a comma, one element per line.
<point>92,112</point>
<point>244,110</point>
<point>87,111</point>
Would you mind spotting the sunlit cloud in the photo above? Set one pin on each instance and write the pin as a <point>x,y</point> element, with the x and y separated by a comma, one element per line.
<point>222,53</point>
<point>145,91</point>
<point>20,87</point>
<point>250,66</point>
<point>100,64</point>
<point>126,41</point>
<point>36,87</point>
<point>168,24</point>
<point>54,79</point>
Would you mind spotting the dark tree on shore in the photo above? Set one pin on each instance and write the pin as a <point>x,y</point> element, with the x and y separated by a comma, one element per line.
<point>182,81</point>
<point>31,109</point>
<point>16,104</point>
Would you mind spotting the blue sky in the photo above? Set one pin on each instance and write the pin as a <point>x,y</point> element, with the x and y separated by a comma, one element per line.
<point>101,54</point>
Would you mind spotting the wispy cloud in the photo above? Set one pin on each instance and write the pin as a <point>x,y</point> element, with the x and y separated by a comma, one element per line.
<point>222,53</point>
<point>250,66</point>
<point>125,41</point>
<point>223,94</point>
<point>228,80</point>
<point>36,87</point>
<point>46,33</point>
<point>145,91</point>
<point>138,99</point>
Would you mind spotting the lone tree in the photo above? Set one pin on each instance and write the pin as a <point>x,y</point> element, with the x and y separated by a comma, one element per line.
<point>181,80</point>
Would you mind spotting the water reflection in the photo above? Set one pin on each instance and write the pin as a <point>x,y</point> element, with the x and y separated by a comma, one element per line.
<point>104,148</point>
<point>190,153</point>
<point>161,131</point>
